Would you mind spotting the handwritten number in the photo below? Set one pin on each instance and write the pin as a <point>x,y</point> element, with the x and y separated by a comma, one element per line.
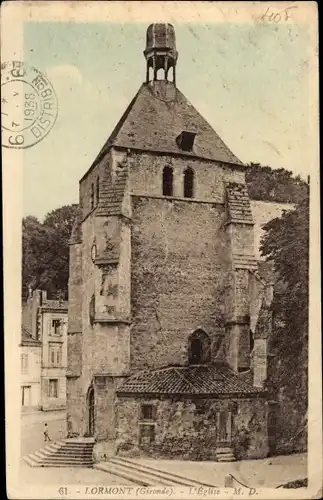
<point>276,17</point>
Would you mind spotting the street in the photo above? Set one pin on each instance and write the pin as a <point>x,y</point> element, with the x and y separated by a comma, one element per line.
<point>32,429</point>
<point>32,439</point>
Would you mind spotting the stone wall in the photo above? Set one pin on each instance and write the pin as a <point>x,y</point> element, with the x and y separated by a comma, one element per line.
<point>183,431</point>
<point>98,172</point>
<point>146,174</point>
<point>74,406</point>
<point>178,277</point>
<point>74,354</point>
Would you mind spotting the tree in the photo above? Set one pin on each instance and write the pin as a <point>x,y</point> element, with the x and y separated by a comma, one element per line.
<point>286,243</point>
<point>267,184</point>
<point>45,250</point>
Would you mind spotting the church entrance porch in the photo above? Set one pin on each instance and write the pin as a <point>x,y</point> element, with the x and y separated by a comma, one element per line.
<point>194,424</point>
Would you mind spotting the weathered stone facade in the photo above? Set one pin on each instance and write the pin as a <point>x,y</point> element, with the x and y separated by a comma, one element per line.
<point>187,428</point>
<point>163,276</point>
<point>44,319</point>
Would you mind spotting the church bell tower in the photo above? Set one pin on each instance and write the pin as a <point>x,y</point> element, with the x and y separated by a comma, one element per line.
<point>160,52</point>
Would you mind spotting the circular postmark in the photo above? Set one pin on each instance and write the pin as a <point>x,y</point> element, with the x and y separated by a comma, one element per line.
<point>28,105</point>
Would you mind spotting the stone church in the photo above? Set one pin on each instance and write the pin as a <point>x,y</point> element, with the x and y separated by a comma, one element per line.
<point>168,305</point>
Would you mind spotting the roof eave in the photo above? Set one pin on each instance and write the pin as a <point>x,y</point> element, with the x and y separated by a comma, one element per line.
<point>236,395</point>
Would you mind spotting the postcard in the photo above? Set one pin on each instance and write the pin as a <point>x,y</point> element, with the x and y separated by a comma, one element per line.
<point>161,215</point>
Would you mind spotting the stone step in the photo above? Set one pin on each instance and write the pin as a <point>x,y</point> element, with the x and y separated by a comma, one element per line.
<point>224,449</point>
<point>138,478</point>
<point>55,446</point>
<point>29,461</point>
<point>175,478</point>
<point>226,458</point>
<point>80,441</point>
<point>225,454</point>
<point>62,459</point>
<point>32,460</point>
<point>154,476</point>
<point>64,463</point>
<point>61,454</point>
<point>73,446</point>
<point>71,453</point>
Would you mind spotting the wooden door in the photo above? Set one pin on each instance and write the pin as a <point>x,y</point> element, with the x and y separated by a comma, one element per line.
<point>91,412</point>
<point>224,427</point>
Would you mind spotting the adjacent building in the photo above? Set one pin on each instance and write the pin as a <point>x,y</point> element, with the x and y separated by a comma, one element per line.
<point>30,369</point>
<point>44,322</point>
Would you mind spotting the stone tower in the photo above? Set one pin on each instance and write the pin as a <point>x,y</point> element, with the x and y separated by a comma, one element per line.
<point>165,291</point>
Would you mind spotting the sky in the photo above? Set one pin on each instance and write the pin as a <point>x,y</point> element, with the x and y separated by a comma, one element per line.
<point>250,81</point>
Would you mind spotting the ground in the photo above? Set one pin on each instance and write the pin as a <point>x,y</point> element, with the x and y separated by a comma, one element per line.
<point>270,472</point>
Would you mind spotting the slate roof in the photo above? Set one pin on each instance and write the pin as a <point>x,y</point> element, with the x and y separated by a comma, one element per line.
<point>111,195</point>
<point>238,203</point>
<point>215,380</point>
<point>153,124</point>
<point>242,261</point>
<point>27,338</point>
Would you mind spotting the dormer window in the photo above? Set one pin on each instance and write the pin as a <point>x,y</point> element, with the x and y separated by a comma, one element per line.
<point>185,140</point>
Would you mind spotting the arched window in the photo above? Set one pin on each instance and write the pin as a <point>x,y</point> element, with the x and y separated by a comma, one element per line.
<point>199,348</point>
<point>97,190</point>
<point>188,183</point>
<point>168,181</point>
<point>160,74</point>
<point>196,352</point>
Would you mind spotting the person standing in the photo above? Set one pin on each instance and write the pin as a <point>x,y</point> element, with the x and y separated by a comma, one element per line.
<point>46,436</point>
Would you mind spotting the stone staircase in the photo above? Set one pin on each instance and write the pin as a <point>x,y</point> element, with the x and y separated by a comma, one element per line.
<point>225,454</point>
<point>144,475</point>
<point>73,452</point>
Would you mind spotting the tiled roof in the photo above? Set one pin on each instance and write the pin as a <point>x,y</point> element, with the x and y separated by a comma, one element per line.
<point>216,380</point>
<point>153,123</point>
<point>238,203</point>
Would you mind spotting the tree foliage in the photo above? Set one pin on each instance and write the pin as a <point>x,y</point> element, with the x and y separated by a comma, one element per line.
<point>286,243</point>
<point>45,250</point>
<point>279,185</point>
